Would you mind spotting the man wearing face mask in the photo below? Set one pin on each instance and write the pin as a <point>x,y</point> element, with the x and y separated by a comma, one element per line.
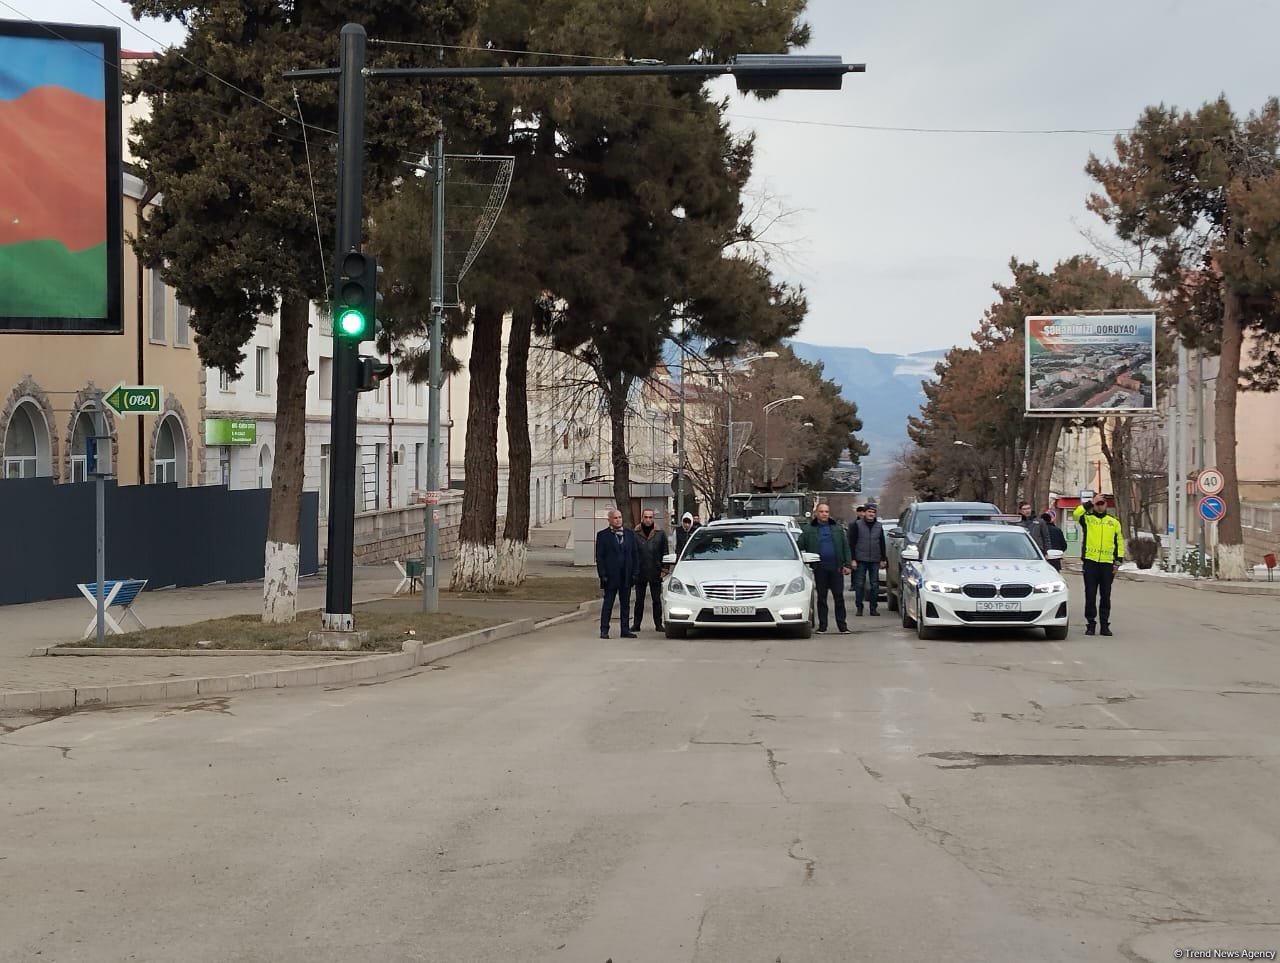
<point>653,545</point>
<point>1101,556</point>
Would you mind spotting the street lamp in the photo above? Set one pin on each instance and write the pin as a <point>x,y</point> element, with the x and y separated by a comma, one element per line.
<point>768,477</point>
<point>728,393</point>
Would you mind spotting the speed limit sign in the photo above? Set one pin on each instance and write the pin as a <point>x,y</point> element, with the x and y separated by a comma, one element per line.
<point>1210,481</point>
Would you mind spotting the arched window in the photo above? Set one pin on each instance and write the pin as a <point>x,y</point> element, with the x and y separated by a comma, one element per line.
<point>264,467</point>
<point>26,443</point>
<point>80,436</point>
<point>170,459</point>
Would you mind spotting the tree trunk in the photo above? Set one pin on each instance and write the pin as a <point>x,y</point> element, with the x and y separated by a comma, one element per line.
<point>1231,562</point>
<point>619,387</point>
<point>474,568</point>
<point>284,516</point>
<point>513,548</point>
<point>1117,451</point>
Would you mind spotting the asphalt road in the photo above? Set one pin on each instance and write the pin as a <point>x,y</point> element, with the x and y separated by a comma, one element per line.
<point>746,800</point>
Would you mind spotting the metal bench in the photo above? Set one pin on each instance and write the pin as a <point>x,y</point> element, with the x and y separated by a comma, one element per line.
<point>119,593</point>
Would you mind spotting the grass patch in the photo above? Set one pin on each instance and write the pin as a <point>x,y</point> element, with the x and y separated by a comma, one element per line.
<point>387,631</point>
<point>540,588</point>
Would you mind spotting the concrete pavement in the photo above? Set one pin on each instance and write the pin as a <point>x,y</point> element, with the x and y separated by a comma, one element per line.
<point>28,682</point>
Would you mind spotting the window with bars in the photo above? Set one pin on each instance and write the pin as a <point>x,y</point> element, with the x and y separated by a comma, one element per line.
<point>262,371</point>
<point>181,325</point>
<point>159,295</point>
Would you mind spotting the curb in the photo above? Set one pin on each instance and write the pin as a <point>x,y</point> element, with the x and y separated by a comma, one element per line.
<point>349,669</point>
<point>1195,584</point>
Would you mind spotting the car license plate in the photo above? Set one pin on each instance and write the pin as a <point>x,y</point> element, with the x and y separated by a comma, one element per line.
<point>735,610</point>
<point>999,606</point>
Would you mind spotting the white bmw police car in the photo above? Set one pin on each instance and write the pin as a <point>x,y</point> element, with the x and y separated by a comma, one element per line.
<point>985,575</point>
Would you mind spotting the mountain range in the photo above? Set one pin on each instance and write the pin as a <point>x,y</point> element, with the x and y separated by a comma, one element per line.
<point>887,390</point>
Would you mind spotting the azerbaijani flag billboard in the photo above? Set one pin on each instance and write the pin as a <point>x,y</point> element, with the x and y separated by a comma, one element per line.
<point>60,180</point>
<point>1091,364</point>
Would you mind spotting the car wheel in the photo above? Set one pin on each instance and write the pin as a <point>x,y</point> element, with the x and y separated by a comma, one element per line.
<point>1056,633</point>
<point>907,621</point>
<point>923,632</point>
<point>675,631</point>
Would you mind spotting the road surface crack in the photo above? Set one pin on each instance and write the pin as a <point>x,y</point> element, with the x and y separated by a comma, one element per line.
<point>810,864</point>
<point>973,760</point>
<point>773,771</point>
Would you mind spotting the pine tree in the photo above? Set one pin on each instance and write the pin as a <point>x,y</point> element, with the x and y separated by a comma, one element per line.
<point>236,234</point>
<point>1203,189</point>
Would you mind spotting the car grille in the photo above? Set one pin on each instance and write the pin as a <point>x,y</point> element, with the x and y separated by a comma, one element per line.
<point>734,591</point>
<point>709,616</point>
<point>1023,616</point>
<point>982,590</point>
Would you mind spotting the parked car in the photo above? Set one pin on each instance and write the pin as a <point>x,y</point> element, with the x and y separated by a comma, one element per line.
<point>915,521</point>
<point>784,521</point>
<point>740,573</point>
<point>975,575</point>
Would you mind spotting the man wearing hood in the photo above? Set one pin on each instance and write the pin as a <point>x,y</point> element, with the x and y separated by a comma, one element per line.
<point>687,528</point>
<point>653,545</point>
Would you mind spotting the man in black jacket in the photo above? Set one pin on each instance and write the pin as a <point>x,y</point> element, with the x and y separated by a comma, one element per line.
<point>653,545</point>
<point>866,542</point>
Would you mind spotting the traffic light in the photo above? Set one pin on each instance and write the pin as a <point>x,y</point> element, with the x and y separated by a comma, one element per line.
<point>356,297</point>
<point>372,373</point>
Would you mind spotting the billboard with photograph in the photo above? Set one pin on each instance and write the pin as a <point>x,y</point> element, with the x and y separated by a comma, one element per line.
<point>60,178</point>
<point>1090,364</point>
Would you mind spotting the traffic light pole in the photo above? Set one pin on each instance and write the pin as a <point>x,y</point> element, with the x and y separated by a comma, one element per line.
<point>431,521</point>
<point>340,556</point>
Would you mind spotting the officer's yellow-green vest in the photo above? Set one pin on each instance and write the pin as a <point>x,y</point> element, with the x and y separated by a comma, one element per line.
<point>1103,537</point>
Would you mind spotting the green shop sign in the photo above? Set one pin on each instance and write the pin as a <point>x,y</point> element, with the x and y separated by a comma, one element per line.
<point>224,431</point>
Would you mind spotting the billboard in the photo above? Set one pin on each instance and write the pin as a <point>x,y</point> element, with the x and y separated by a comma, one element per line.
<point>1090,364</point>
<point>60,178</point>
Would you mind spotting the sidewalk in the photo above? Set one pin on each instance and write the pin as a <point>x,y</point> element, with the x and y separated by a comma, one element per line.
<point>24,628</point>
<point>1131,573</point>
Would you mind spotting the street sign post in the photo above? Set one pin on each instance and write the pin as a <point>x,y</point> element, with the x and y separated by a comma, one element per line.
<point>1212,508</point>
<point>134,399</point>
<point>1210,481</point>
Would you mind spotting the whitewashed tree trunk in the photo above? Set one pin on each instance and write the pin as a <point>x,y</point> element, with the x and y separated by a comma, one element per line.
<point>473,569</point>
<point>1231,564</point>
<point>280,583</point>
<point>511,561</point>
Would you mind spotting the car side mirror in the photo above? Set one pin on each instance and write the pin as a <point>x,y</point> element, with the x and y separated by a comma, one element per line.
<point>897,533</point>
<point>911,554</point>
<point>1054,554</point>
<point>810,558</point>
<point>668,560</point>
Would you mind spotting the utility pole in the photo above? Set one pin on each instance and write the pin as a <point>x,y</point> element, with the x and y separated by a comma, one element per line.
<point>431,517</point>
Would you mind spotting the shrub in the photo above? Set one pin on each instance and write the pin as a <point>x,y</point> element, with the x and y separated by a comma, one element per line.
<point>1144,550</point>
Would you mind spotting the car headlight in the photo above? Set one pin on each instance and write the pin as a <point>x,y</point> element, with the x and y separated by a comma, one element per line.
<point>794,586</point>
<point>1049,587</point>
<point>677,587</point>
<point>945,588</point>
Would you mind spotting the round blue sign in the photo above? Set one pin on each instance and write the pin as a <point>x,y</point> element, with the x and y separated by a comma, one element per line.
<point>1212,508</point>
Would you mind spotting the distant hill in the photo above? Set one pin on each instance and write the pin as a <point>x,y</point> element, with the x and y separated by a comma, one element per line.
<point>886,389</point>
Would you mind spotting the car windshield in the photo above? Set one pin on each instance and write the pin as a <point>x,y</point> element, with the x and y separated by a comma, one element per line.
<point>1013,544</point>
<point>743,544</point>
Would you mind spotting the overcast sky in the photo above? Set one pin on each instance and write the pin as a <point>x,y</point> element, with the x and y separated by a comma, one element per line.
<point>898,235</point>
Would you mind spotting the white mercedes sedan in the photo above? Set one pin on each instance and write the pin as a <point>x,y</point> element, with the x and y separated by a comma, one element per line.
<point>745,573</point>
<point>967,575</point>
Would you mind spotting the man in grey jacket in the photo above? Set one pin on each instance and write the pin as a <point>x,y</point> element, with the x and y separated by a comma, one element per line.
<point>1035,527</point>
<point>866,540</point>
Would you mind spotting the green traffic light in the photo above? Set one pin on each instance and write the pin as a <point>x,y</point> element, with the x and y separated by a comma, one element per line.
<point>352,323</point>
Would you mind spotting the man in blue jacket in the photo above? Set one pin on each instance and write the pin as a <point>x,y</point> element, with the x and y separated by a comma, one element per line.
<point>618,565</point>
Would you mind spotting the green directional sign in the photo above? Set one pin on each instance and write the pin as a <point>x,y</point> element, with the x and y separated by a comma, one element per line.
<point>134,399</point>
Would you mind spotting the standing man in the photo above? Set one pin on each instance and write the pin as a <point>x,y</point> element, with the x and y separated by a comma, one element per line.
<point>653,545</point>
<point>684,531</point>
<point>866,541</point>
<point>1035,527</point>
<point>829,541</point>
<point>1056,538</point>
<point>1101,555</point>
<point>618,565</point>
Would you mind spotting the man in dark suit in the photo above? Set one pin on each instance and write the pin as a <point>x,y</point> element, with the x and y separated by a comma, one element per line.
<point>618,565</point>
